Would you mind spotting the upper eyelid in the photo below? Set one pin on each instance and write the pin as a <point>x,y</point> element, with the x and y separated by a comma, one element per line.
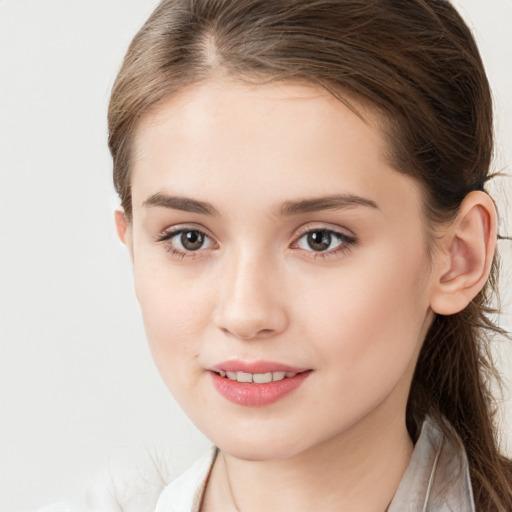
<point>165,236</point>
<point>323,226</point>
<point>344,238</point>
<point>297,233</point>
<point>171,231</point>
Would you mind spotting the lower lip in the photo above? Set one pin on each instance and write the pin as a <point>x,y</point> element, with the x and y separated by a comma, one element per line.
<point>256,395</point>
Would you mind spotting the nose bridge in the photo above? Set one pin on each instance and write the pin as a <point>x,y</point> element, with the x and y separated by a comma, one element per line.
<point>251,300</point>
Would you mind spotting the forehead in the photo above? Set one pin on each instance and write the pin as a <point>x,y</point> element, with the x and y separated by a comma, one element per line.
<point>225,138</point>
<point>198,108</point>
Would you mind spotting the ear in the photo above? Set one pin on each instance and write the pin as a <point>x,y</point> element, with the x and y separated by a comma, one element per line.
<point>124,230</point>
<point>463,263</point>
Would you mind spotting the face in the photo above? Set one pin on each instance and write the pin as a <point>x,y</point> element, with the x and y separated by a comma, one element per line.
<point>280,263</point>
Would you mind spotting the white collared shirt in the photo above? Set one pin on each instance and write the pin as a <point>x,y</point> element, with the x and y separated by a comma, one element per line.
<point>436,480</point>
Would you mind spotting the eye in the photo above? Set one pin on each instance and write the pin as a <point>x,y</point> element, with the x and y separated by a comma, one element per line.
<point>182,241</point>
<point>324,242</point>
<point>190,240</point>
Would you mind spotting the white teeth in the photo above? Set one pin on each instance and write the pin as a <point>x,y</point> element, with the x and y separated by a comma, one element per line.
<point>262,378</point>
<point>243,377</point>
<point>258,378</point>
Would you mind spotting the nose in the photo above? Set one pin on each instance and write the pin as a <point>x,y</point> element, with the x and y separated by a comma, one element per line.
<point>251,302</point>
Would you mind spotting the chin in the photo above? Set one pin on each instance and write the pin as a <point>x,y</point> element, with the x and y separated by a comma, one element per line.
<point>264,450</point>
<point>262,442</point>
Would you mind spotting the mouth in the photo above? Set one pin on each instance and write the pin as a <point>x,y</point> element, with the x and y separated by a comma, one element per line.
<point>256,384</point>
<point>257,378</point>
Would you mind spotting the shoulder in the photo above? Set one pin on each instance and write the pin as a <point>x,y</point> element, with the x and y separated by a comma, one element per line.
<point>437,478</point>
<point>186,492</point>
<point>135,480</point>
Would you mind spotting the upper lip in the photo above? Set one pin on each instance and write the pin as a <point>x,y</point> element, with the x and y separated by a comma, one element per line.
<point>236,365</point>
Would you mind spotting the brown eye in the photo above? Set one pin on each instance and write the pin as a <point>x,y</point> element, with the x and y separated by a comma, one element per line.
<point>192,240</point>
<point>319,240</point>
<point>324,242</point>
<point>186,242</point>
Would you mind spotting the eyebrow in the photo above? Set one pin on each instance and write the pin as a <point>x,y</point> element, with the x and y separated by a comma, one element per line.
<point>334,202</point>
<point>180,203</point>
<point>289,208</point>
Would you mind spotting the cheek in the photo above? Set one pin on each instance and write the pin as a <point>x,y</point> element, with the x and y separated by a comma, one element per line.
<point>369,320</point>
<point>175,310</point>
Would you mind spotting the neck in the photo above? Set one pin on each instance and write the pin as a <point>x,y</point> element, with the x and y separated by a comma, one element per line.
<point>360,469</point>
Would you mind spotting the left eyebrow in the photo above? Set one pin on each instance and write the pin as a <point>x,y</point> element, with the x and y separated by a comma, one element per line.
<point>334,202</point>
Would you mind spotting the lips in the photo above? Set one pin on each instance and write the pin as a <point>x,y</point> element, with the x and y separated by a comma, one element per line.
<point>258,378</point>
<point>256,384</point>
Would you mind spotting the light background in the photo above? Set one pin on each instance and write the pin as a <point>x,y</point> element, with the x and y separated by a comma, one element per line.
<point>76,379</point>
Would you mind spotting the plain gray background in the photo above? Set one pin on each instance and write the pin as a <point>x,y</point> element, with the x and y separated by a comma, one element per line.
<point>76,380</point>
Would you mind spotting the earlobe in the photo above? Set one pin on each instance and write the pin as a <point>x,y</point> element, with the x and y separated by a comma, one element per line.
<point>464,261</point>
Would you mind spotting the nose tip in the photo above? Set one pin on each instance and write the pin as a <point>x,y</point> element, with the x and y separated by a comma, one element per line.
<point>250,307</point>
<point>249,321</point>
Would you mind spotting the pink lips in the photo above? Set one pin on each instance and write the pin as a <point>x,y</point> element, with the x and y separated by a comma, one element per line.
<point>254,394</point>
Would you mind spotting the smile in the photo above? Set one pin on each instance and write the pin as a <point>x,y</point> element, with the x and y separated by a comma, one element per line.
<point>256,384</point>
<point>257,378</point>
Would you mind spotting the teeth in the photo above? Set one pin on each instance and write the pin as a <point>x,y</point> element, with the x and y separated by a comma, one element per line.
<point>258,378</point>
<point>262,378</point>
<point>243,377</point>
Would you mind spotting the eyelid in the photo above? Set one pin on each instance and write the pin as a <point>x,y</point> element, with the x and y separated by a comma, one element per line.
<point>170,231</point>
<point>347,237</point>
<point>324,226</point>
<point>165,237</point>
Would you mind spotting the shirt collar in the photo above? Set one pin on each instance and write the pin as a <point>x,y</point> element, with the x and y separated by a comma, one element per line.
<point>436,480</point>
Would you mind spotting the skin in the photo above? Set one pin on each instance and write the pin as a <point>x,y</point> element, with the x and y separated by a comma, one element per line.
<point>356,314</point>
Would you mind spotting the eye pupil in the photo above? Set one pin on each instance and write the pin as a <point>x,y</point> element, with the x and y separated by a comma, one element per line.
<point>192,240</point>
<point>319,240</point>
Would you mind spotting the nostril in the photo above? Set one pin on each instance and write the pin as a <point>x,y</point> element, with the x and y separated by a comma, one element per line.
<point>265,332</point>
<point>247,332</point>
<point>261,333</point>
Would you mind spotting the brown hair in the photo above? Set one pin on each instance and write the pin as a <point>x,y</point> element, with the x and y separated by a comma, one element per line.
<point>417,64</point>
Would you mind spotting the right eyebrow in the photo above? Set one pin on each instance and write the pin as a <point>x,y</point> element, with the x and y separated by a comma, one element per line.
<point>182,203</point>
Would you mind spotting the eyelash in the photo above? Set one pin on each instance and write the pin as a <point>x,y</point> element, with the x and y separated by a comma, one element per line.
<point>166,238</point>
<point>346,242</point>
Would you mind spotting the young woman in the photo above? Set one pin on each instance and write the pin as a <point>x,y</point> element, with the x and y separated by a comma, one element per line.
<point>303,198</point>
